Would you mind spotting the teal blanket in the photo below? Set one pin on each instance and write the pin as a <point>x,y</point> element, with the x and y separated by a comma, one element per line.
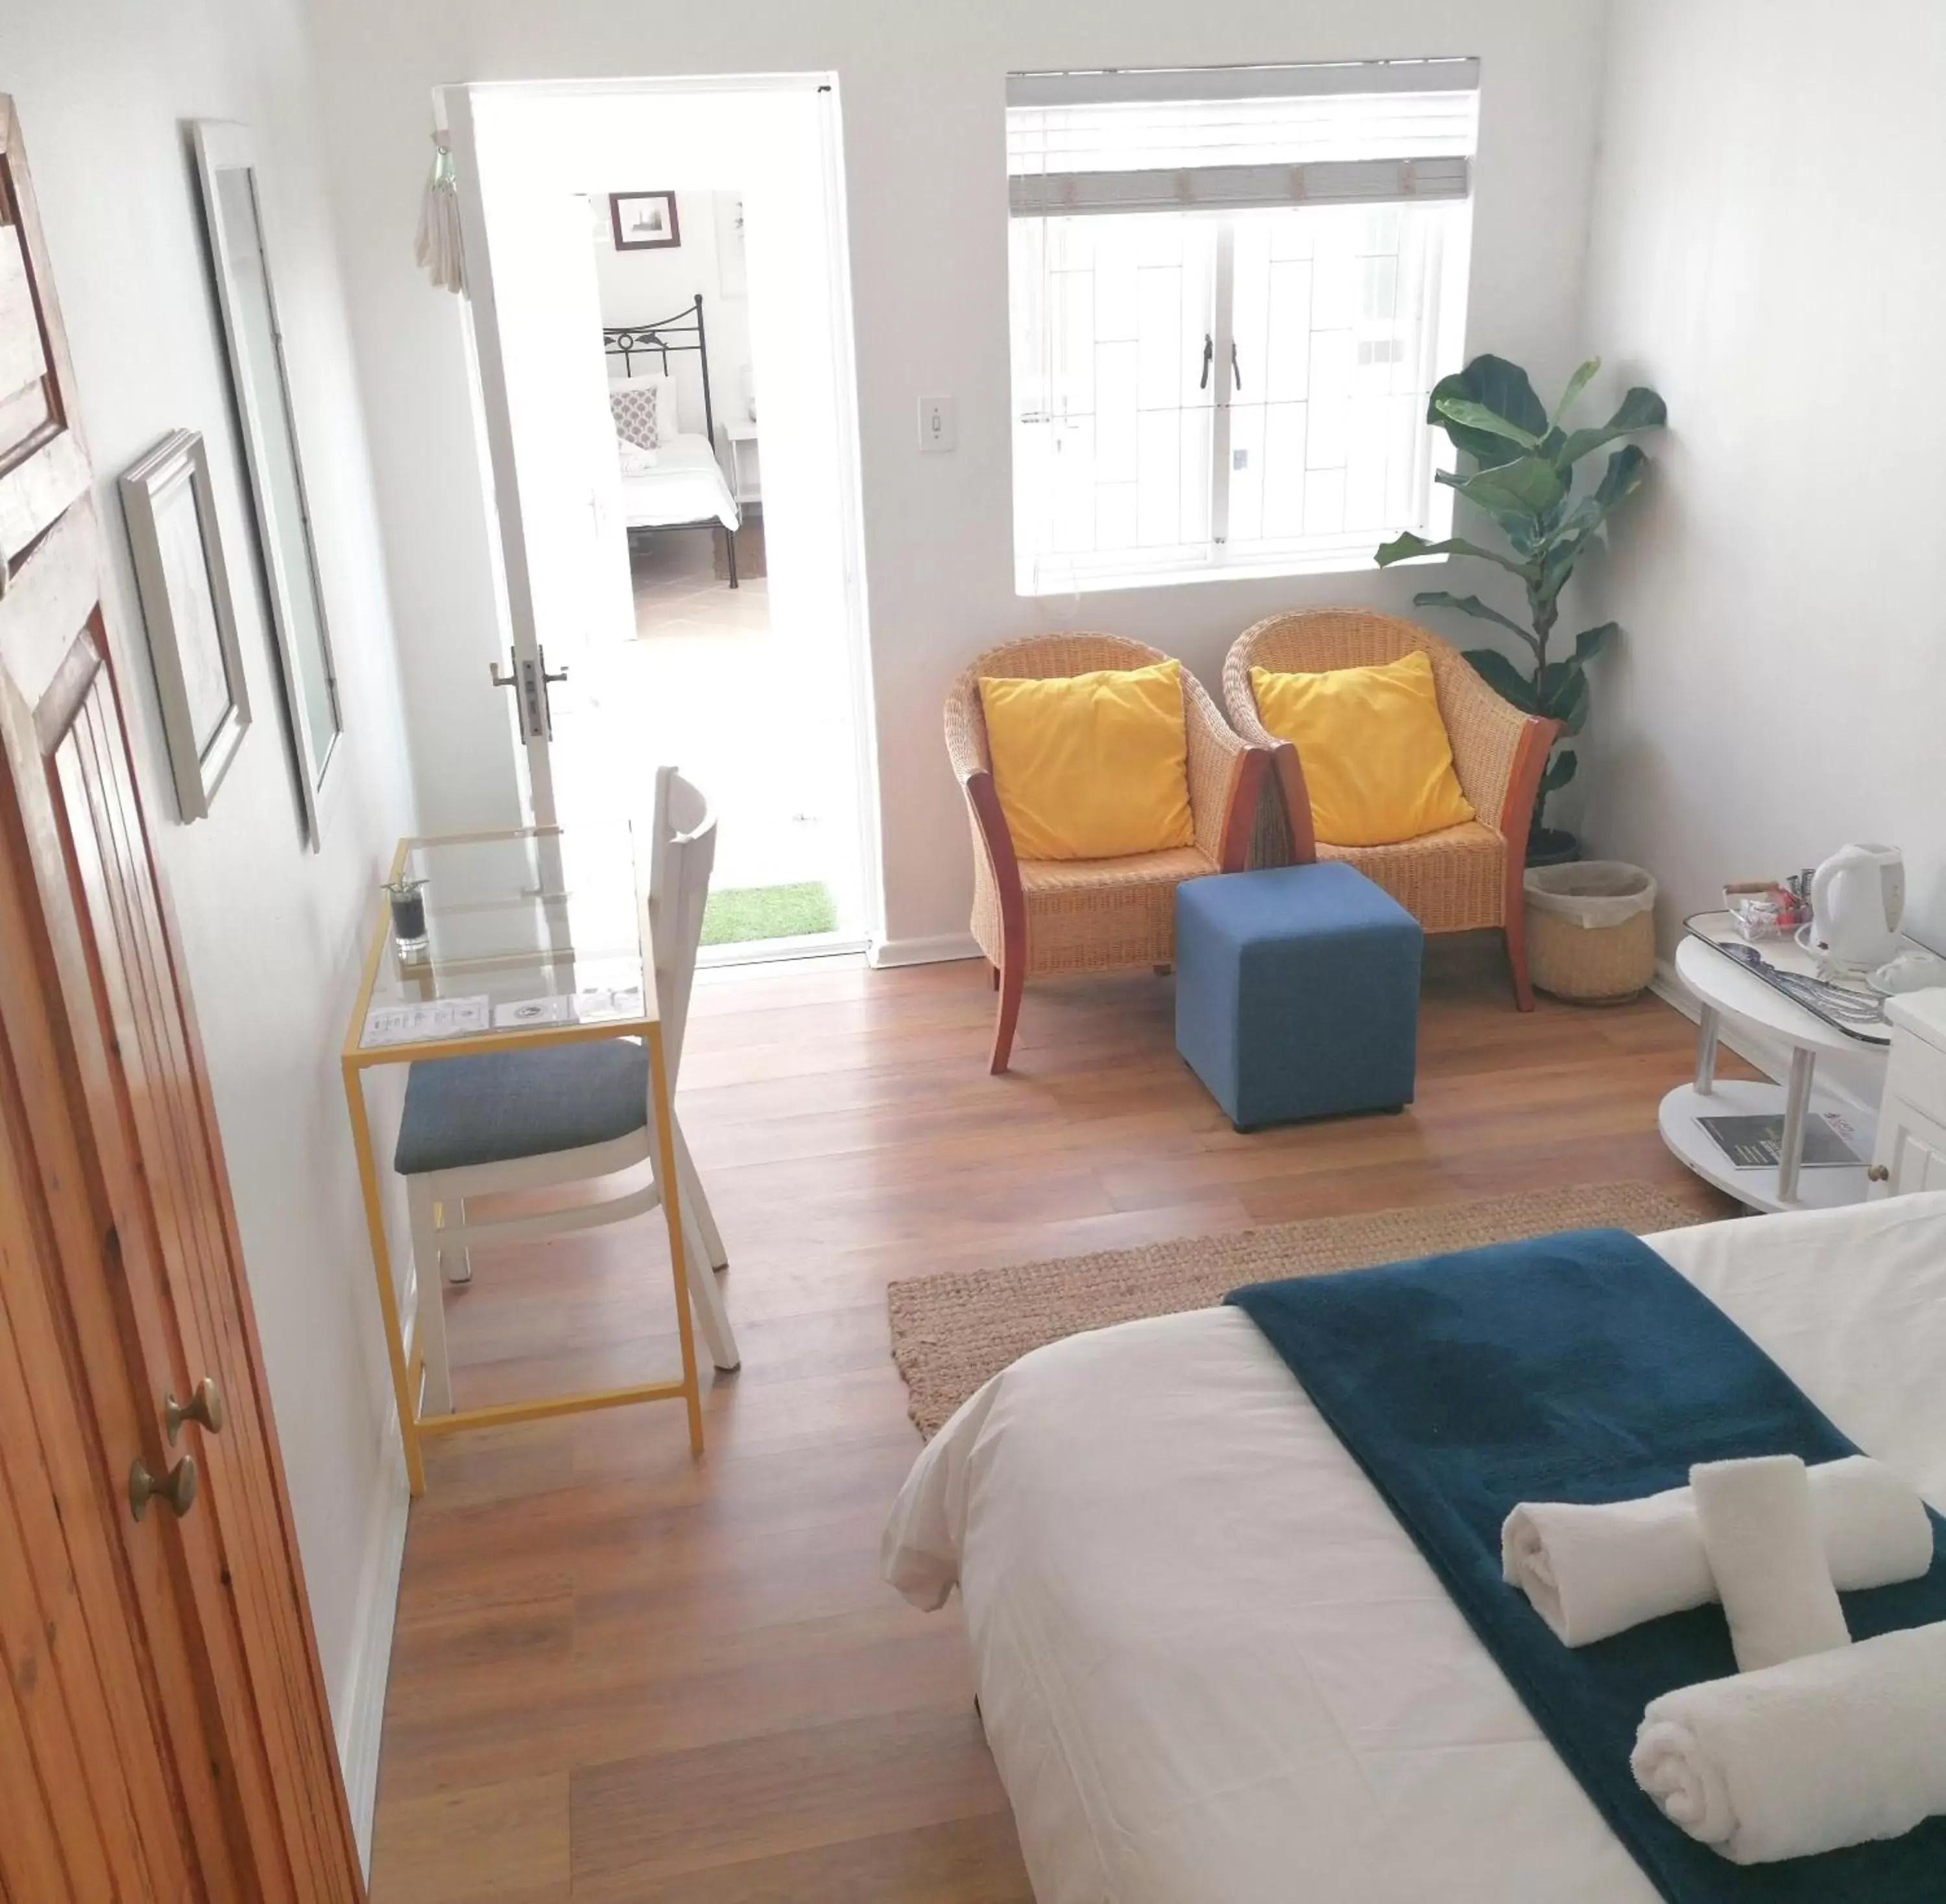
<point>1580,1367</point>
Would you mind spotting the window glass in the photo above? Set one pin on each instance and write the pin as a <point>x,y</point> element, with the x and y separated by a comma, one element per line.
<point>1225,365</point>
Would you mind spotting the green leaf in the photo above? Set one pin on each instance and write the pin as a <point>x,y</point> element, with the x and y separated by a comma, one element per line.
<point>1405,545</point>
<point>1477,416</point>
<point>1524,497</point>
<point>1503,677</point>
<point>1470,605</point>
<point>1622,477</point>
<point>1564,694</point>
<point>1558,563</point>
<point>1529,487</point>
<point>1503,387</point>
<point>1577,385</point>
<point>1590,642</point>
<point>1586,514</point>
<point>1640,409</point>
<point>1560,771</point>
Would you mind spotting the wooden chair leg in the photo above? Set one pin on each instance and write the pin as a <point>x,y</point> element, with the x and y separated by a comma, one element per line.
<point>993,973</point>
<point>1516,938</point>
<point>1012,978</point>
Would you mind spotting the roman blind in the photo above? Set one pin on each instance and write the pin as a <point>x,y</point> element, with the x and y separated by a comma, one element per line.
<point>1231,138</point>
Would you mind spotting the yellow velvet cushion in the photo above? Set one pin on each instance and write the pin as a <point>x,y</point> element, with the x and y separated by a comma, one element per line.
<point>1377,763</point>
<point>1091,766</point>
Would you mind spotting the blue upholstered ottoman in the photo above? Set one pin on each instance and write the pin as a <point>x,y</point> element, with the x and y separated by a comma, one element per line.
<point>1296,992</point>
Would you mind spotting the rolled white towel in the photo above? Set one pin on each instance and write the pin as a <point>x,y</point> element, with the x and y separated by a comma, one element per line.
<point>1592,1571</point>
<point>1832,1749</point>
<point>1771,1574</point>
<point>636,461</point>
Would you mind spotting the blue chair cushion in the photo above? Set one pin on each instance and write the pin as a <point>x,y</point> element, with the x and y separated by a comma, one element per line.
<point>501,1105</point>
<point>1296,992</point>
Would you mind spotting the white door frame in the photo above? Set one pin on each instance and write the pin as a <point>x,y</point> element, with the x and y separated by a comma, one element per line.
<point>453,106</point>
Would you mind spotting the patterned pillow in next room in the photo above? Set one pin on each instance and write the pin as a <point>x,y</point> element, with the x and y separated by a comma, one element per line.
<point>633,406</point>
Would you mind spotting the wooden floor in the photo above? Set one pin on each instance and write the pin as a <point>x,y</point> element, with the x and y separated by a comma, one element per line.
<point>621,1675</point>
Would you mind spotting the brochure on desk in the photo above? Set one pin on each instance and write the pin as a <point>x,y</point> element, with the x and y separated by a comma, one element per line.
<point>1848,1005</point>
<point>425,1021</point>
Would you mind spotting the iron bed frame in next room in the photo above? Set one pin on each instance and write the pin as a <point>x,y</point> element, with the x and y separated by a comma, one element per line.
<point>683,331</point>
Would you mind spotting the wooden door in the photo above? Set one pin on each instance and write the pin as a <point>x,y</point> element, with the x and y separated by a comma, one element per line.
<point>163,1727</point>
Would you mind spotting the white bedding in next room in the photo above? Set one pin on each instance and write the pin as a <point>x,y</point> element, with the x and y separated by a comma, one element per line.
<point>687,485</point>
<point>1214,1670</point>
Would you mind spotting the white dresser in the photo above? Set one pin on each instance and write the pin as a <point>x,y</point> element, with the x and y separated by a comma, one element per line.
<point>1911,1153</point>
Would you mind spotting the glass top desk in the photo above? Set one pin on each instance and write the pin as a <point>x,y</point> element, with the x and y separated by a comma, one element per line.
<point>535,936</point>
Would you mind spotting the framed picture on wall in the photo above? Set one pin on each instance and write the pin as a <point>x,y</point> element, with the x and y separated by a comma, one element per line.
<point>644,221</point>
<point>260,382</point>
<point>185,589</point>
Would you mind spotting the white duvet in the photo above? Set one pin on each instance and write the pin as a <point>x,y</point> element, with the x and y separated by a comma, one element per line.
<point>1213,1667</point>
<point>684,483</point>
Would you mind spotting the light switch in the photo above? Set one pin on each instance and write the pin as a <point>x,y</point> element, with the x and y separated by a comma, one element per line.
<point>937,431</point>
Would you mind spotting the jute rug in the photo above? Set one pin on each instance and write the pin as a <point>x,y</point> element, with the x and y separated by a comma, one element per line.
<point>950,1333</point>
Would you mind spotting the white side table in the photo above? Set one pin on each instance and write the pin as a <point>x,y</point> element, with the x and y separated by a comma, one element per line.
<point>1725,990</point>
<point>746,479</point>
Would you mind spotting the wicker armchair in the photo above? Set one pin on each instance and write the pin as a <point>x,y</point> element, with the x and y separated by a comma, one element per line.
<point>1041,917</point>
<point>1459,879</point>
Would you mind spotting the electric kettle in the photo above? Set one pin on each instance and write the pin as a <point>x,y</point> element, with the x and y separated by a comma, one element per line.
<point>1857,899</point>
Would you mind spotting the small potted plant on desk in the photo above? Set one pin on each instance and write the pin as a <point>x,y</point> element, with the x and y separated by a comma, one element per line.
<point>1523,477</point>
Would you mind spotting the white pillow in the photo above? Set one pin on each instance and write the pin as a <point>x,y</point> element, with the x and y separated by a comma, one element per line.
<point>637,410</point>
<point>644,406</point>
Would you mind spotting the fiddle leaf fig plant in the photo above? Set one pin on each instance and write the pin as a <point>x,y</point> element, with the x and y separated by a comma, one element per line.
<point>1523,476</point>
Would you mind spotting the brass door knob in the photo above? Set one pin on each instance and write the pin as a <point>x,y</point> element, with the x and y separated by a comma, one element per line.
<point>177,1488</point>
<point>206,1405</point>
<point>1878,1173</point>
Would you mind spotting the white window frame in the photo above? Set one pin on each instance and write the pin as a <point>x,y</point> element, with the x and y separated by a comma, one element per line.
<point>1220,192</point>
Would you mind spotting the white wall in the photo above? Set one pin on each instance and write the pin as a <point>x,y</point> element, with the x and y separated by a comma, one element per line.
<point>270,930</point>
<point>922,90</point>
<point>1768,251</point>
<point>637,287</point>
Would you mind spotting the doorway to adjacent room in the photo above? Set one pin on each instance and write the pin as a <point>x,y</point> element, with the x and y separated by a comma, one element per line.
<point>651,267</point>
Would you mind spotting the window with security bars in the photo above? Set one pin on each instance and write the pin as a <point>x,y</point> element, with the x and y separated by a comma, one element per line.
<point>1231,293</point>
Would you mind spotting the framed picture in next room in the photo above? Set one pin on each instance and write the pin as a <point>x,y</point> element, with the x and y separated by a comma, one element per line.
<point>644,221</point>
<point>185,590</point>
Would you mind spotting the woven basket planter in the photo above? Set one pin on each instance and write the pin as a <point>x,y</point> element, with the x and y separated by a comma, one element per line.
<point>1591,931</point>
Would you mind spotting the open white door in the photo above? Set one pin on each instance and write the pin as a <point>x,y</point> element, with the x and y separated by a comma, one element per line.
<point>531,273</point>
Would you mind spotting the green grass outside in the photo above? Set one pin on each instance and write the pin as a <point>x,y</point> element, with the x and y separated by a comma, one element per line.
<point>740,914</point>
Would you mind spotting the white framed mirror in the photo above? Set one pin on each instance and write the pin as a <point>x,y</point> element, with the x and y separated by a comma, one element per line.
<point>246,295</point>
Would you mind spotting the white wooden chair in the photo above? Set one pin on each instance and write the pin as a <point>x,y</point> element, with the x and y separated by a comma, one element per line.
<point>562,1115</point>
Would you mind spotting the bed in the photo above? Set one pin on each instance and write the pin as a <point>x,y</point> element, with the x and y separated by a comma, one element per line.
<point>684,488</point>
<point>1214,1669</point>
<point>678,483</point>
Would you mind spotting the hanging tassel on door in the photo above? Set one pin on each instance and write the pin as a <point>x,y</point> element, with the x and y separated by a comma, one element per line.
<point>438,248</point>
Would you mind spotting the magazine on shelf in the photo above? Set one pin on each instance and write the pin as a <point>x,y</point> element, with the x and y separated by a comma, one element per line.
<point>1757,1142</point>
